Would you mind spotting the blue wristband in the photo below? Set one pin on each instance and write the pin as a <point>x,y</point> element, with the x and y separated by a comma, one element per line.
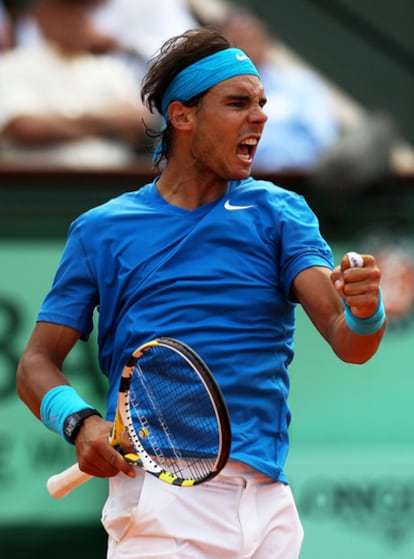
<point>58,404</point>
<point>365,326</point>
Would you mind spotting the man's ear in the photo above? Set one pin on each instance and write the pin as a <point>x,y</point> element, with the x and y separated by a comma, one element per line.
<point>180,116</point>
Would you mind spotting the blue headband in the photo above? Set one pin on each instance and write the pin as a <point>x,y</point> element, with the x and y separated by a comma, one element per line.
<point>205,73</point>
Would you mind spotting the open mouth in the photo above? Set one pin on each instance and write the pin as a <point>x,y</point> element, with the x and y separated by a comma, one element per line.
<point>246,149</point>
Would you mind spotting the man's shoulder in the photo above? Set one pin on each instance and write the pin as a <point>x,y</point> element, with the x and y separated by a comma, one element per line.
<point>266,186</point>
<point>117,206</point>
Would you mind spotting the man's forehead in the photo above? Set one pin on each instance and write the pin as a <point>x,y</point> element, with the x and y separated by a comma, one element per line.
<point>239,85</point>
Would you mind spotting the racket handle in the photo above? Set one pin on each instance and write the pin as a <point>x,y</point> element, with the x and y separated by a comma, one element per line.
<point>61,484</point>
<point>352,260</point>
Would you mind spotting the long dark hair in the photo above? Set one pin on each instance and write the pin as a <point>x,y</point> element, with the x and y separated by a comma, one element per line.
<point>176,54</point>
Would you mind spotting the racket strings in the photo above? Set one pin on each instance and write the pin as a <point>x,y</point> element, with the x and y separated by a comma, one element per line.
<point>173,415</point>
<point>146,427</point>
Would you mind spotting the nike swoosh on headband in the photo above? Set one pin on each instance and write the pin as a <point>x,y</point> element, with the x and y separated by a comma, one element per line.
<point>229,206</point>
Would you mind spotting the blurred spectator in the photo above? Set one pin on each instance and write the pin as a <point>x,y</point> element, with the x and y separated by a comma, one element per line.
<point>20,16</point>
<point>132,30</point>
<point>301,118</point>
<point>62,104</point>
<point>6,38</point>
<point>360,158</point>
<point>140,27</point>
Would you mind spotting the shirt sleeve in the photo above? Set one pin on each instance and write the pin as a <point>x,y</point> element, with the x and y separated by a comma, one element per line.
<point>301,243</point>
<point>73,297</point>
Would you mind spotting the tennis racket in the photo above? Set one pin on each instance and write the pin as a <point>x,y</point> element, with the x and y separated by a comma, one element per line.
<point>174,414</point>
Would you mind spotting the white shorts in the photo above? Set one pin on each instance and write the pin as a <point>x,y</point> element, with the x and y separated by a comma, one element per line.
<point>240,514</point>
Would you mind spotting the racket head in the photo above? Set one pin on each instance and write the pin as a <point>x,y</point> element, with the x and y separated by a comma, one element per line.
<point>174,413</point>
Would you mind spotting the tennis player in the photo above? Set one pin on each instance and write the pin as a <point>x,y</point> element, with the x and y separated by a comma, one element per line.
<point>208,255</point>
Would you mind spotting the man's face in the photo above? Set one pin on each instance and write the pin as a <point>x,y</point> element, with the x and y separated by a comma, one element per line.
<point>67,25</point>
<point>228,125</point>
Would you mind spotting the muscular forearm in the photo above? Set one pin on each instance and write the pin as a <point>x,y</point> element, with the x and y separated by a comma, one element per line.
<point>33,130</point>
<point>350,346</point>
<point>39,372</point>
<point>40,367</point>
<point>38,130</point>
<point>320,292</point>
<point>36,376</point>
<point>123,122</point>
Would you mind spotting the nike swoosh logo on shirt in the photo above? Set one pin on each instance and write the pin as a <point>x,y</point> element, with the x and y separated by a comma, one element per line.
<point>230,207</point>
<point>241,57</point>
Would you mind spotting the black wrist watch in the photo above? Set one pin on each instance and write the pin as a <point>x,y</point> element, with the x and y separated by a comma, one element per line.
<point>74,422</point>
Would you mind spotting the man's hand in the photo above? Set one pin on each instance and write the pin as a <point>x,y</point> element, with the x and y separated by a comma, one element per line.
<point>95,454</point>
<point>358,285</point>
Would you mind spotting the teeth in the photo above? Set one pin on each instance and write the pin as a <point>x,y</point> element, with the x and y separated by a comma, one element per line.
<point>250,141</point>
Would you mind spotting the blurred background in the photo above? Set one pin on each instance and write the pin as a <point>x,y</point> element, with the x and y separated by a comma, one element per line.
<point>339,75</point>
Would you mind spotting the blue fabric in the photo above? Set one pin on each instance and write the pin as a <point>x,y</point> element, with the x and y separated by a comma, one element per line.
<point>57,404</point>
<point>218,278</point>
<point>365,326</point>
<point>206,73</point>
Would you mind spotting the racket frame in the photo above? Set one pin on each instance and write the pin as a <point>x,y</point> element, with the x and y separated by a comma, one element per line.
<point>123,420</point>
